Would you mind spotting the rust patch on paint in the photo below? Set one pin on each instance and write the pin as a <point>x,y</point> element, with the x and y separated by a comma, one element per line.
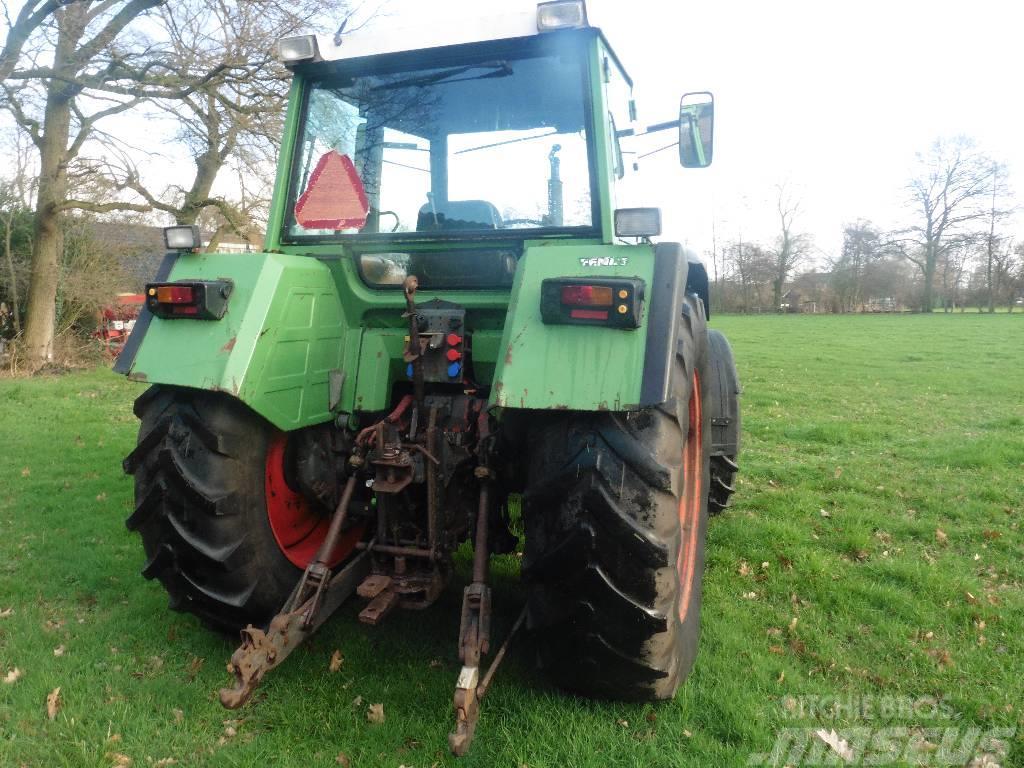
<point>229,346</point>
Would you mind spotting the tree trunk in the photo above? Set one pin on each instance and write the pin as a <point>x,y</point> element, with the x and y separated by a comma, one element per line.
<point>927,299</point>
<point>48,238</point>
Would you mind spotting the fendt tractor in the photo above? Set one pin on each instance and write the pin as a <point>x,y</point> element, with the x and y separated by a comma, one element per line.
<point>451,333</point>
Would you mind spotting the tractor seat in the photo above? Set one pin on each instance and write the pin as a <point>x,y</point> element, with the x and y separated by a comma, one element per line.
<point>458,214</point>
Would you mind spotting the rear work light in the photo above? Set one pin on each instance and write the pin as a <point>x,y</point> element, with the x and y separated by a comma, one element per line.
<point>611,302</point>
<point>199,300</point>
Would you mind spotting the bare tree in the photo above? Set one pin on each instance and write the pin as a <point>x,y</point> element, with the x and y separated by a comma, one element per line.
<point>953,262</point>
<point>33,14</point>
<point>752,267</point>
<point>945,196</point>
<point>81,63</point>
<point>71,53</point>
<point>996,213</point>
<point>791,247</point>
<point>862,247</point>
<point>237,115</point>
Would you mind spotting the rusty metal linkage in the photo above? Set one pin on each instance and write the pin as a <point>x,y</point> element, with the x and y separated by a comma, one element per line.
<point>315,597</point>
<point>475,629</point>
<point>261,650</point>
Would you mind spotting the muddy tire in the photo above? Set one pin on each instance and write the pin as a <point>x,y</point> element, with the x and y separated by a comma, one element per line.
<point>724,391</point>
<point>616,512</point>
<point>723,483</point>
<point>201,507</point>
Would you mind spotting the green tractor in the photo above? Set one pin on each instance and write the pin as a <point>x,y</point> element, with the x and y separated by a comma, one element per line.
<point>451,325</point>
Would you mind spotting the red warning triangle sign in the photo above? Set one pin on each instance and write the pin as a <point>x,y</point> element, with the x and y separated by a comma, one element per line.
<point>334,198</point>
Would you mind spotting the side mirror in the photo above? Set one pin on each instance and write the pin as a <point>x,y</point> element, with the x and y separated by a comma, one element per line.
<point>696,129</point>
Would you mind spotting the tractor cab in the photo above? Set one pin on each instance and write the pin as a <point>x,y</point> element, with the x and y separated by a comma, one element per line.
<point>484,143</point>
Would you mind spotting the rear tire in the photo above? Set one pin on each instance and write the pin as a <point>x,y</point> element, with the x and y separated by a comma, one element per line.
<point>616,513</point>
<point>724,391</point>
<point>201,507</point>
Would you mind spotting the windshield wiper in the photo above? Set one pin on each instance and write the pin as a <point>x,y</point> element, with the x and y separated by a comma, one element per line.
<point>499,69</point>
<point>508,141</point>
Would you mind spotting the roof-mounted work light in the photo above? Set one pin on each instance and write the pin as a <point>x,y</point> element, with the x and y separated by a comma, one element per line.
<point>638,222</point>
<point>184,237</point>
<point>561,14</point>
<point>295,50</point>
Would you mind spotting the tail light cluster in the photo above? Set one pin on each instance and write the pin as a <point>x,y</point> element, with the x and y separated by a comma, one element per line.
<point>198,300</point>
<point>611,302</point>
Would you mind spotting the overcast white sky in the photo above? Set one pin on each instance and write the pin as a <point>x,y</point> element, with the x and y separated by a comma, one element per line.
<point>832,98</point>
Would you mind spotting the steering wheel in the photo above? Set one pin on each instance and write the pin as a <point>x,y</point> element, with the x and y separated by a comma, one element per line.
<point>374,213</point>
<point>398,223</point>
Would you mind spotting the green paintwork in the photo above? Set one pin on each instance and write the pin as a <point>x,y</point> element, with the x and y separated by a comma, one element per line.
<point>300,311</point>
<point>582,368</point>
<point>282,335</point>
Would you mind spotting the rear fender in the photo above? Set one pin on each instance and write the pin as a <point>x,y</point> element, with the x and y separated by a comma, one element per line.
<point>275,349</point>
<point>590,368</point>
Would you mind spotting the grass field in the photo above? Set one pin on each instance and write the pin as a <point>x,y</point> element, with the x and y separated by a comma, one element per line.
<point>874,554</point>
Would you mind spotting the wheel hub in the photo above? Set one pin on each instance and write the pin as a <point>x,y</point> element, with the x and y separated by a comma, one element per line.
<point>297,528</point>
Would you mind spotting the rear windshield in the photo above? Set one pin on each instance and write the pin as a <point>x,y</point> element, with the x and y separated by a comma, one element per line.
<point>491,146</point>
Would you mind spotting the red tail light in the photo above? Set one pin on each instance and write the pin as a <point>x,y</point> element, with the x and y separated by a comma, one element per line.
<point>174,294</point>
<point>198,299</point>
<point>587,296</point>
<point>613,302</point>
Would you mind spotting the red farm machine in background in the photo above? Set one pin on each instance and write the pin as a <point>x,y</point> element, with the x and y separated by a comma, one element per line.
<point>116,321</point>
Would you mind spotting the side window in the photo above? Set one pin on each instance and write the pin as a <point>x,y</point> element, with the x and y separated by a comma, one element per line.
<point>618,169</point>
<point>618,95</point>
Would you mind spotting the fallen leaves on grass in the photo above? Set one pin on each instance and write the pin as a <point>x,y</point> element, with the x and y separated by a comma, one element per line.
<point>6,612</point>
<point>12,676</point>
<point>357,702</point>
<point>750,595</point>
<point>336,661</point>
<point>838,745</point>
<point>744,569</point>
<point>163,762</point>
<point>118,760</point>
<point>623,723</point>
<point>58,651</point>
<point>179,716</point>
<point>940,536</point>
<point>342,760</point>
<point>53,703</point>
<point>230,731</point>
<point>375,714</point>
<point>26,472</point>
<point>942,657</point>
<point>194,666</point>
<point>824,513</point>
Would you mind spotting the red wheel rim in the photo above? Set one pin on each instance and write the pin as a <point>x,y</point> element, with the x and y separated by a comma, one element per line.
<point>298,530</point>
<point>691,500</point>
